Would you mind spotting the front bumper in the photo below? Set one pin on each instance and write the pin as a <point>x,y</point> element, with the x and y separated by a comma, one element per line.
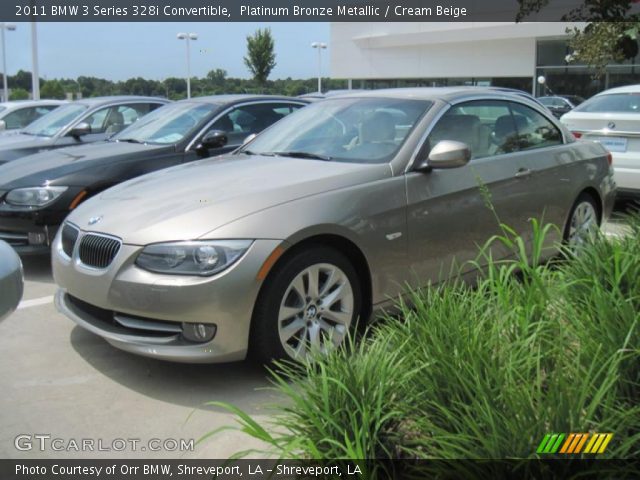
<point>92,297</point>
<point>29,231</point>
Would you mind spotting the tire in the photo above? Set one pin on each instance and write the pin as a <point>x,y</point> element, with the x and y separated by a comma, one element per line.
<point>290,319</point>
<point>583,223</point>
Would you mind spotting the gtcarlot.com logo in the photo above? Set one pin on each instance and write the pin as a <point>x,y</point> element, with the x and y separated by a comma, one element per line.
<point>46,442</point>
<point>574,443</point>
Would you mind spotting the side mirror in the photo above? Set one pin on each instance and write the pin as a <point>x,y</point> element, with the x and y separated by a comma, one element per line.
<point>83,128</point>
<point>448,154</point>
<point>3,125</point>
<point>214,139</point>
<point>249,138</point>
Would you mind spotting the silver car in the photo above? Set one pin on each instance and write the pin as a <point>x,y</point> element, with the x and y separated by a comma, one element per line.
<point>611,119</point>
<point>11,281</point>
<point>332,213</point>
<point>20,113</point>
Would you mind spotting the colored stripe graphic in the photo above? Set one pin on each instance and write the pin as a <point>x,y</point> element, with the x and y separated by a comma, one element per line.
<point>606,441</point>
<point>543,443</point>
<point>590,444</point>
<point>574,443</point>
<point>556,446</point>
<point>581,444</point>
<point>599,443</point>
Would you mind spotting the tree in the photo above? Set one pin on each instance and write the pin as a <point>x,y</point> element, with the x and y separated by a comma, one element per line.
<point>53,89</point>
<point>260,58</point>
<point>22,79</point>
<point>18,94</point>
<point>610,36</point>
<point>217,77</point>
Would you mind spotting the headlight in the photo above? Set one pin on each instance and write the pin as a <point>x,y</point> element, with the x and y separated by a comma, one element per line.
<point>34,196</point>
<point>192,258</point>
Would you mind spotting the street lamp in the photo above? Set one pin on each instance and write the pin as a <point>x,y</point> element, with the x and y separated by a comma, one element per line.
<point>11,27</point>
<point>188,37</point>
<point>320,46</point>
<point>543,82</point>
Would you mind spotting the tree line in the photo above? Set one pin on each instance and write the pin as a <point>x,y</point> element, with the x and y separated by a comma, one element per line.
<point>215,82</point>
<point>260,60</point>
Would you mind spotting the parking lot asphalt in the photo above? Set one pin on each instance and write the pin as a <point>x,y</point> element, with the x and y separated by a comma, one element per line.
<point>57,379</point>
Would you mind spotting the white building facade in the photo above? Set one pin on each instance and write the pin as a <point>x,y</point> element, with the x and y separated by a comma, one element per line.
<point>380,55</point>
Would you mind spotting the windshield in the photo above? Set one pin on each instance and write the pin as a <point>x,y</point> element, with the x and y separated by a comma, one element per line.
<point>359,130</point>
<point>168,124</point>
<point>548,101</point>
<point>613,102</point>
<point>575,99</point>
<point>53,123</point>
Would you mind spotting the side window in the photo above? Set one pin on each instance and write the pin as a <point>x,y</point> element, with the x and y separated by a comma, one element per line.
<point>534,130</point>
<point>486,126</point>
<point>19,118</point>
<point>135,111</point>
<point>40,111</point>
<point>97,119</point>
<point>242,121</point>
<point>111,120</point>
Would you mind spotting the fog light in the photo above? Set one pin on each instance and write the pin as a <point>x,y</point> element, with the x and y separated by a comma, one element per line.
<point>198,332</point>
<point>37,238</point>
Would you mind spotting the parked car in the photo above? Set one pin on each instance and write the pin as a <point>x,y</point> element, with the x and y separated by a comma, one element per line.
<point>77,123</point>
<point>11,282</point>
<point>20,113</point>
<point>561,104</point>
<point>278,248</point>
<point>37,192</point>
<point>612,118</point>
<point>315,96</point>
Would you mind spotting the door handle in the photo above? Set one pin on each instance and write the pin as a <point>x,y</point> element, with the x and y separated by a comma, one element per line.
<point>523,172</point>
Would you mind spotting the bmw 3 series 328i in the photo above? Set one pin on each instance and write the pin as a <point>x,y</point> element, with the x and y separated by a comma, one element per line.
<point>279,248</point>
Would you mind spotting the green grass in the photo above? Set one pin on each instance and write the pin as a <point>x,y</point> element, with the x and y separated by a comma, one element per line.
<point>479,372</point>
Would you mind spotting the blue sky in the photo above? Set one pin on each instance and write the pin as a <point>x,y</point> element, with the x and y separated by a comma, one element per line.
<point>117,51</point>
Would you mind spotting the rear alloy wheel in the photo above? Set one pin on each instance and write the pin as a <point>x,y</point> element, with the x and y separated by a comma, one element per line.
<point>584,223</point>
<point>310,304</point>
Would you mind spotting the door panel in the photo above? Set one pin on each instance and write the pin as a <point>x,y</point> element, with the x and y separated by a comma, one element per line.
<point>453,213</point>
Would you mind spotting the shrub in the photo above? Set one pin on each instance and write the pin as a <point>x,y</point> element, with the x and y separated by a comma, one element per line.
<point>483,371</point>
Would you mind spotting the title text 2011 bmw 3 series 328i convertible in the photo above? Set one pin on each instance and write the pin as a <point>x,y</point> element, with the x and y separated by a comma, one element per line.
<point>279,248</point>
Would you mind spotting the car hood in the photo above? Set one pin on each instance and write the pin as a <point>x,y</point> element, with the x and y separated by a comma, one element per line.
<point>10,141</point>
<point>45,167</point>
<point>191,200</point>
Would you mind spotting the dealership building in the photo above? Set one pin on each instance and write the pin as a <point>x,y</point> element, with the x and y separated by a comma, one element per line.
<point>381,55</point>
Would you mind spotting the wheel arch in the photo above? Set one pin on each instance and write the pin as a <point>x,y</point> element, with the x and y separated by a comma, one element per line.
<point>343,245</point>
<point>592,192</point>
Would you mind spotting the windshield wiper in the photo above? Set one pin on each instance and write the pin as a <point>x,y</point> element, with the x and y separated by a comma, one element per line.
<point>264,154</point>
<point>313,156</point>
<point>128,140</point>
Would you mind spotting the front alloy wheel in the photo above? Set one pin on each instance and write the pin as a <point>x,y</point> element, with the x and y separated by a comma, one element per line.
<point>309,303</point>
<point>316,310</point>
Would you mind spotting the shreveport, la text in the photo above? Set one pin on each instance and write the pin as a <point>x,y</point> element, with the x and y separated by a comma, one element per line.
<point>167,470</point>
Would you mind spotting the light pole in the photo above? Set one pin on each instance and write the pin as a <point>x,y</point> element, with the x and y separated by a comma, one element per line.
<point>35,75</point>
<point>188,37</point>
<point>320,46</point>
<point>543,82</point>
<point>11,27</point>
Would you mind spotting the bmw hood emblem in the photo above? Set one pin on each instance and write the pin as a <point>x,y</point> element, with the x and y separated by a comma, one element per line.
<point>611,125</point>
<point>94,220</point>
